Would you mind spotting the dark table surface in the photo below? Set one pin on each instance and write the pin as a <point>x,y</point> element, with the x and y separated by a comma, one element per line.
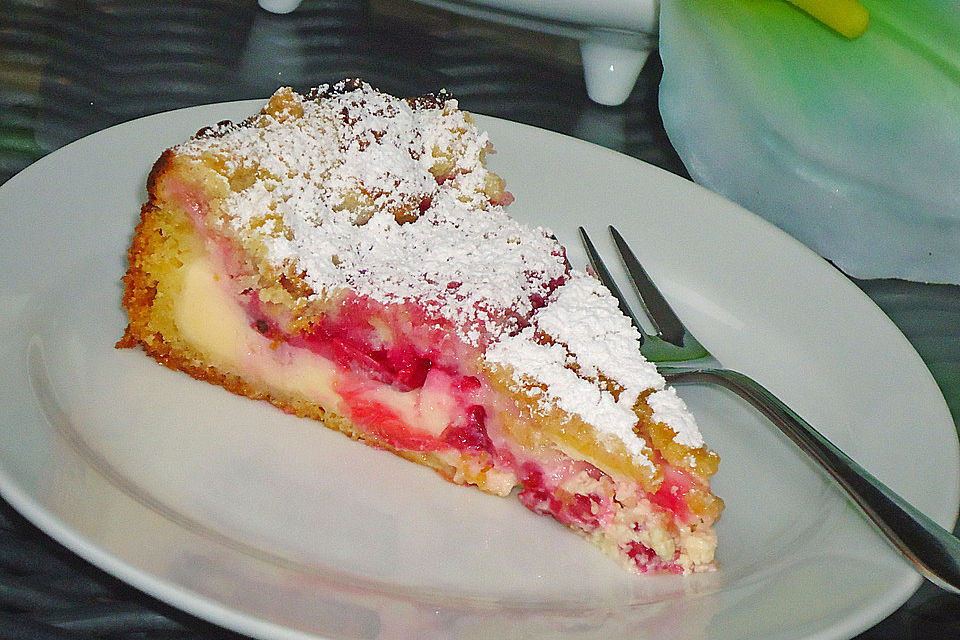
<point>72,67</point>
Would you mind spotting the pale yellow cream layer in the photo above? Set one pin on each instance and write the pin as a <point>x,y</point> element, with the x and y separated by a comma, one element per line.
<point>210,318</point>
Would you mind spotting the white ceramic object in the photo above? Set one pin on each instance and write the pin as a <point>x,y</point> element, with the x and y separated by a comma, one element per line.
<point>615,36</point>
<point>280,6</point>
<point>852,147</point>
<point>280,529</point>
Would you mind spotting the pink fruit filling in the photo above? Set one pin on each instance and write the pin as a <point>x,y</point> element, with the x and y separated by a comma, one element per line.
<point>572,492</point>
<point>472,435</point>
<point>672,493</point>
<point>647,560</point>
<point>375,345</point>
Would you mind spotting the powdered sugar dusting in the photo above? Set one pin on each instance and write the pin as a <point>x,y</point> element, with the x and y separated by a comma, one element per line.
<point>347,195</point>
<point>547,364</point>
<point>671,410</point>
<point>585,317</point>
<point>588,331</point>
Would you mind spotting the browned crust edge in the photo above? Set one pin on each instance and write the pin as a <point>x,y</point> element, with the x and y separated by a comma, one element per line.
<point>140,290</point>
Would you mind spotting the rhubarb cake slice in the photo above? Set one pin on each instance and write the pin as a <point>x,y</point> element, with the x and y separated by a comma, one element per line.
<point>346,256</point>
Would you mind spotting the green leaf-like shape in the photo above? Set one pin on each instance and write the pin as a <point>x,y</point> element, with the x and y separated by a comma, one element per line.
<point>852,146</point>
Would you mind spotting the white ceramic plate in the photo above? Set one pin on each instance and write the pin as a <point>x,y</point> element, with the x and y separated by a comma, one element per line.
<point>277,528</point>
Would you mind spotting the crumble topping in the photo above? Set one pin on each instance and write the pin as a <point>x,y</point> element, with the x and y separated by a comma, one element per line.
<point>585,317</point>
<point>591,341</point>
<point>390,198</point>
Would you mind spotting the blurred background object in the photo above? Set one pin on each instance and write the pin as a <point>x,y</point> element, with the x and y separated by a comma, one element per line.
<point>851,146</point>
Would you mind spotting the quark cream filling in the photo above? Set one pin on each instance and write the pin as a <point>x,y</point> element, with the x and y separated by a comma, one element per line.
<point>209,317</point>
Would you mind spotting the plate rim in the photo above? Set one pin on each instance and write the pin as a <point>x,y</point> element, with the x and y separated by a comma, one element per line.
<point>48,522</point>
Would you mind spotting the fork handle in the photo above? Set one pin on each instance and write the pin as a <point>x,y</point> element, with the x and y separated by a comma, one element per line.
<point>933,550</point>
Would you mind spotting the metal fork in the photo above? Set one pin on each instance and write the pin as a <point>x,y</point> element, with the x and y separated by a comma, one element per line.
<point>679,356</point>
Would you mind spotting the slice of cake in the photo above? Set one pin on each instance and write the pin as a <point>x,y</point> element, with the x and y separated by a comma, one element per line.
<point>346,256</point>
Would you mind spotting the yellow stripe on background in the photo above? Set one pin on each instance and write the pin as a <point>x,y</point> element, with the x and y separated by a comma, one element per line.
<point>847,17</point>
